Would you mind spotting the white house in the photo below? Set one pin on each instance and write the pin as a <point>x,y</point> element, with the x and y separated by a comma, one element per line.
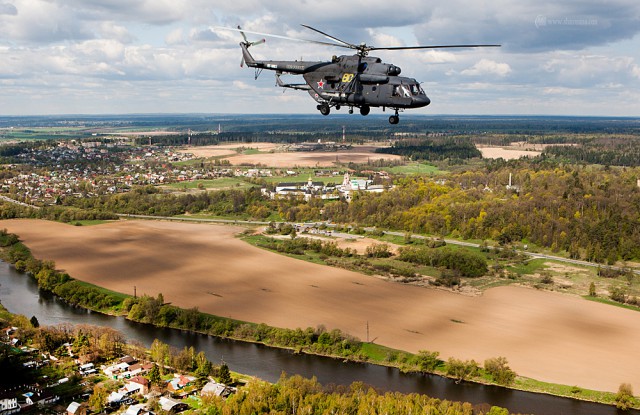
<point>171,405</point>
<point>217,389</point>
<point>8,403</point>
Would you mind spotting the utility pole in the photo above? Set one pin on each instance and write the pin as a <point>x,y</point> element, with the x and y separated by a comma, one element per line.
<point>367,331</point>
<point>135,294</point>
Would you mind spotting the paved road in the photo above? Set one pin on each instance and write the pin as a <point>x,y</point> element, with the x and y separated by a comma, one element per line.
<point>15,202</point>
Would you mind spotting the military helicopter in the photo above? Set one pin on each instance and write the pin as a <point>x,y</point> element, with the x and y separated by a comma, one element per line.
<point>359,80</point>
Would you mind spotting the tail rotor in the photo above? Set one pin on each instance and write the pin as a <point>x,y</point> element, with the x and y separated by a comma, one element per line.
<point>248,44</point>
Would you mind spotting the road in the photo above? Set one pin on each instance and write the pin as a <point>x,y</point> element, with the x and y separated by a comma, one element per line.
<point>15,202</point>
<point>531,254</point>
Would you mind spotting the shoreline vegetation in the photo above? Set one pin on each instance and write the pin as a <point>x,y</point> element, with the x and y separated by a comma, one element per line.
<point>318,341</point>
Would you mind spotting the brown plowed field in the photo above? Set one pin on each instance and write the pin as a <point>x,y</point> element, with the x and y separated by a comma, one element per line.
<point>358,154</point>
<point>544,335</point>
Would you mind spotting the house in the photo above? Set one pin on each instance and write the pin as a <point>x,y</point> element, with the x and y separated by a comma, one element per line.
<point>115,369</point>
<point>138,409</point>
<point>8,403</point>
<point>137,369</point>
<point>172,406</point>
<point>76,408</point>
<point>114,398</point>
<point>84,368</point>
<point>40,397</point>
<point>138,384</point>
<point>217,389</point>
<point>180,382</point>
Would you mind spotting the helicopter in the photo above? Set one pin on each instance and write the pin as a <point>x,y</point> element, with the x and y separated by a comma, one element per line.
<point>354,81</point>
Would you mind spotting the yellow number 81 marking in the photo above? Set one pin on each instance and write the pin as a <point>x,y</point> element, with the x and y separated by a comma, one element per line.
<point>347,77</point>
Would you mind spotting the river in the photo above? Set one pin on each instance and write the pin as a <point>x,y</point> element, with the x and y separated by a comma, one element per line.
<point>20,294</point>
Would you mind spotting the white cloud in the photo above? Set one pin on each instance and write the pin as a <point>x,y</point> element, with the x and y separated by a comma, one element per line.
<point>175,37</point>
<point>487,67</point>
<point>87,55</point>
<point>562,91</point>
<point>114,31</point>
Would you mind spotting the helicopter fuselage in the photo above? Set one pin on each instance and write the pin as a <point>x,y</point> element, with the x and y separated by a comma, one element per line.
<point>348,80</point>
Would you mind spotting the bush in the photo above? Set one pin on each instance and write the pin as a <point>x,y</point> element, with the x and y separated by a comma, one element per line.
<point>461,370</point>
<point>624,398</point>
<point>447,278</point>
<point>427,361</point>
<point>467,263</point>
<point>499,370</point>
<point>618,294</point>
<point>378,251</point>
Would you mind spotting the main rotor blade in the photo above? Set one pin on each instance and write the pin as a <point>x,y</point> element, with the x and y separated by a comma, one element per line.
<point>434,47</point>
<point>351,45</point>
<point>279,36</point>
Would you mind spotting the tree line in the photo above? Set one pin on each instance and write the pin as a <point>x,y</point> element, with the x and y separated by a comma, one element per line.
<point>611,150</point>
<point>433,148</point>
<point>297,395</point>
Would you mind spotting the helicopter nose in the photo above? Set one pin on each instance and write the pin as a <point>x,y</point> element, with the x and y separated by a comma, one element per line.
<point>421,101</point>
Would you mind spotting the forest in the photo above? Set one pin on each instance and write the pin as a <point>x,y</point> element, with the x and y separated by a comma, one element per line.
<point>453,149</point>
<point>609,150</point>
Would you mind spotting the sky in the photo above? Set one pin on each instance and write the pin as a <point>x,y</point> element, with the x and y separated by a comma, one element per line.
<point>558,57</point>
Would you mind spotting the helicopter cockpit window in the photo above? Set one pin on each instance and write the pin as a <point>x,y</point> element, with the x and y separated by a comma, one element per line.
<point>415,89</point>
<point>404,91</point>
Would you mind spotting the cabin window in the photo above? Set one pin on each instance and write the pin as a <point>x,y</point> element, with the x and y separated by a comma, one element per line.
<point>415,89</point>
<point>401,91</point>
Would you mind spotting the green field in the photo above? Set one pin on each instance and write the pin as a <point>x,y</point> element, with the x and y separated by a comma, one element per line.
<point>212,184</point>
<point>415,168</point>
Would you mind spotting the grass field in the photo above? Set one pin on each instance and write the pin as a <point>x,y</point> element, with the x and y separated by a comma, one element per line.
<point>212,184</point>
<point>415,168</point>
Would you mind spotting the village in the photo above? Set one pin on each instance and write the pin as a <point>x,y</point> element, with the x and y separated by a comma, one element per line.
<point>47,174</point>
<point>125,385</point>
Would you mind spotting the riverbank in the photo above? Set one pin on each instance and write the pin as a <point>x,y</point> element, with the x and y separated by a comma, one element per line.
<point>121,242</point>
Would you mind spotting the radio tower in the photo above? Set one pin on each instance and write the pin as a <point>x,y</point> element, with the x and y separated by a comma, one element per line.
<point>189,137</point>
<point>344,135</point>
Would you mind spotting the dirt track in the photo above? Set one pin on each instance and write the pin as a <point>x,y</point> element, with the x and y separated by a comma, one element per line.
<point>547,336</point>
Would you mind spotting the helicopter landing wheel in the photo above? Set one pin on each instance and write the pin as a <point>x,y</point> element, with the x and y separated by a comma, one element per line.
<point>350,110</point>
<point>338,107</point>
<point>324,109</point>
<point>394,119</point>
<point>365,109</point>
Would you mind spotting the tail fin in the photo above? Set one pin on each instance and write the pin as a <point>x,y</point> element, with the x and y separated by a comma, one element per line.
<point>246,56</point>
